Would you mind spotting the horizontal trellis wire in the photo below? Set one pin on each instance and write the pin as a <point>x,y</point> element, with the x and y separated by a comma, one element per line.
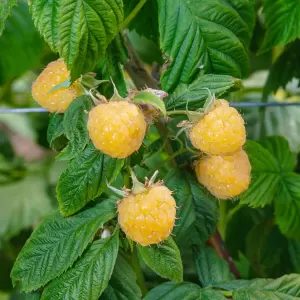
<point>234,104</point>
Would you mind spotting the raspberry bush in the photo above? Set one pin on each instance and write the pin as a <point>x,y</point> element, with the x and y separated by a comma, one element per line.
<point>153,174</point>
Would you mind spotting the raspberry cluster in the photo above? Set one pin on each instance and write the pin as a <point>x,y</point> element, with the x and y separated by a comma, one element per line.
<point>221,134</point>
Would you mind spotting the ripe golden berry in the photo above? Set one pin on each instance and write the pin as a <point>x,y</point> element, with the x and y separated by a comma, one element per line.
<point>57,101</point>
<point>117,128</point>
<point>148,217</point>
<point>220,132</point>
<point>225,176</point>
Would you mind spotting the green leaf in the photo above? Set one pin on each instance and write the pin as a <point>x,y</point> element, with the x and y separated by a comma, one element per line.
<point>5,8</point>
<point>85,179</point>
<point>45,15</point>
<point>285,68</point>
<point>56,243</point>
<point>195,94</point>
<point>246,10</point>
<point>265,176</point>
<point>164,259</point>
<point>281,19</point>
<point>23,203</point>
<point>75,127</point>
<point>56,131</point>
<point>287,205</point>
<point>294,253</point>
<point>201,35</point>
<point>279,147</point>
<point>122,284</point>
<point>86,29</point>
<point>112,64</point>
<point>145,23</point>
<point>211,269</point>
<point>197,210</point>
<point>207,294</point>
<point>19,33</point>
<point>149,98</point>
<point>90,274</point>
<point>175,291</point>
<point>283,288</point>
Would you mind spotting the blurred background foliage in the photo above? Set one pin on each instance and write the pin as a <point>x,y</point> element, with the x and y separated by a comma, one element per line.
<point>29,171</point>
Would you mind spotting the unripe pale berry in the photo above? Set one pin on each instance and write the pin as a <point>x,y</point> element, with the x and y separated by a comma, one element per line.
<point>219,132</point>
<point>148,217</point>
<point>225,176</point>
<point>54,74</point>
<point>117,128</point>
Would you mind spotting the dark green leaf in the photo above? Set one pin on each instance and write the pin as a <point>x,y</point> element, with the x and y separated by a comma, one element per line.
<point>195,94</point>
<point>265,246</point>
<point>5,8</point>
<point>85,179</point>
<point>86,29</point>
<point>122,284</point>
<point>207,294</point>
<point>211,269</point>
<point>75,127</point>
<point>278,146</point>
<point>45,15</point>
<point>56,131</point>
<point>112,64</point>
<point>90,274</point>
<point>21,45</point>
<point>164,259</point>
<point>197,210</point>
<point>294,251</point>
<point>175,291</point>
<point>246,10</point>
<point>56,243</point>
<point>6,148</point>
<point>284,69</point>
<point>265,176</point>
<point>145,23</point>
<point>281,19</point>
<point>201,35</point>
<point>287,205</point>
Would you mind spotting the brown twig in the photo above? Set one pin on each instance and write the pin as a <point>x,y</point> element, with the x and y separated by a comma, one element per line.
<point>137,71</point>
<point>217,243</point>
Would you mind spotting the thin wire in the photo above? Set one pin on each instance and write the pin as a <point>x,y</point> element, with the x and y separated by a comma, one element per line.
<point>234,104</point>
<point>22,110</point>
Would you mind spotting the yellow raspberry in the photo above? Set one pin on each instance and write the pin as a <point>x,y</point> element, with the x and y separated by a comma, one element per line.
<point>220,132</point>
<point>57,101</point>
<point>225,176</point>
<point>117,128</point>
<point>148,217</point>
